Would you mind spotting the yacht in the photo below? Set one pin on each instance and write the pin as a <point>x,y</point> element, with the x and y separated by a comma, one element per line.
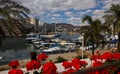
<point>32,37</point>
<point>1,58</point>
<point>60,48</point>
<point>55,49</point>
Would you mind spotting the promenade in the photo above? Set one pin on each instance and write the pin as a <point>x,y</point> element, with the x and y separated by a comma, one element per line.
<point>69,56</point>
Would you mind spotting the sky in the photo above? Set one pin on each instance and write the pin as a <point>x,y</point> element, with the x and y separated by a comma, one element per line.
<point>67,11</point>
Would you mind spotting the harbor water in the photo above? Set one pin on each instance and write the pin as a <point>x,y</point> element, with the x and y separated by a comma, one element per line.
<point>14,48</point>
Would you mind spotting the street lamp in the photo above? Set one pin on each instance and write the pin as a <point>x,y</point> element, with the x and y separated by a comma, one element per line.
<point>82,45</point>
<point>82,40</point>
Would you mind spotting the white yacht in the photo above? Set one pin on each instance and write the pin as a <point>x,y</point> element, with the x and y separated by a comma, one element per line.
<point>32,37</point>
<point>1,58</point>
<point>60,48</point>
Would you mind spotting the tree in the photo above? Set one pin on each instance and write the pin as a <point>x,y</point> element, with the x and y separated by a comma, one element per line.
<point>93,31</point>
<point>108,22</point>
<point>113,17</point>
<point>12,17</point>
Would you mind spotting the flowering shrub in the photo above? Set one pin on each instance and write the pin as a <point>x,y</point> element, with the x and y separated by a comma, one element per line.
<point>49,68</point>
<point>107,56</point>
<point>14,69</point>
<point>33,64</point>
<point>42,56</point>
<point>69,71</point>
<point>71,66</point>
<point>116,56</point>
<point>83,63</point>
<point>14,63</point>
<point>76,63</point>
<point>97,63</point>
<point>67,65</point>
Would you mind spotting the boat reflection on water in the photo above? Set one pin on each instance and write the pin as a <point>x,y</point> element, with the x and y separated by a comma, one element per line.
<point>14,48</point>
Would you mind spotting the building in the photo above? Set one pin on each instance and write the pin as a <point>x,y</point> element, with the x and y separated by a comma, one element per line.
<point>65,28</point>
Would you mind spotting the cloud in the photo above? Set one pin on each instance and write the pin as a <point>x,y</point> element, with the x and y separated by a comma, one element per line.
<point>55,20</point>
<point>68,14</point>
<point>41,6</point>
<point>70,11</point>
<point>99,12</point>
<point>74,19</point>
<point>56,15</point>
<point>89,11</point>
<point>81,13</point>
<point>108,3</point>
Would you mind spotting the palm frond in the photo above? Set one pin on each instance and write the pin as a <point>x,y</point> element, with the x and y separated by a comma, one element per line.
<point>87,18</point>
<point>13,15</point>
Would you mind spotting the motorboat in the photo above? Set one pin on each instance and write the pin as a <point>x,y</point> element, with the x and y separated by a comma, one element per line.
<point>54,48</point>
<point>56,40</point>
<point>1,58</point>
<point>32,37</point>
<point>40,44</point>
<point>48,36</point>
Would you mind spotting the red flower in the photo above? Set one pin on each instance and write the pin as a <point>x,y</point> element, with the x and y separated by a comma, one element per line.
<point>116,56</point>
<point>67,65</point>
<point>118,72</point>
<point>112,68</point>
<point>69,71</point>
<point>33,64</point>
<point>105,71</point>
<point>49,68</point>
<point>29,66</point>
<point>97,63</point>
<point>107,56</point>
<point>83,63</point>
<point>14,63</point>
<point>15,71</point>
<point>42,56</point>
<point>76,63</point>
<point>36,64</point>
<point>95,57</point>
<point>99,72</point>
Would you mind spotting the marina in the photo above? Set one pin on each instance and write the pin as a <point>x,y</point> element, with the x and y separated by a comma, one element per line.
<point>19,48</point>
<point>59,37</point>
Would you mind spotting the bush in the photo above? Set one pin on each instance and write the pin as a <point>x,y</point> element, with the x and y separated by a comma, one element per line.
<point>60,59</point>
<point>80,56</point>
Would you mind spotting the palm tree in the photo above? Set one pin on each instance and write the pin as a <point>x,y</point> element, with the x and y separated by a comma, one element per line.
<point>114,20</point>
<point>108,22</point>
<point>93,31</point>
<point>12,17</point>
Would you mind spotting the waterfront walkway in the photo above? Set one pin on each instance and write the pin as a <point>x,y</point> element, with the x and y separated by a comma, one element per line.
<point>59,66</point>
<point>69,56</point>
